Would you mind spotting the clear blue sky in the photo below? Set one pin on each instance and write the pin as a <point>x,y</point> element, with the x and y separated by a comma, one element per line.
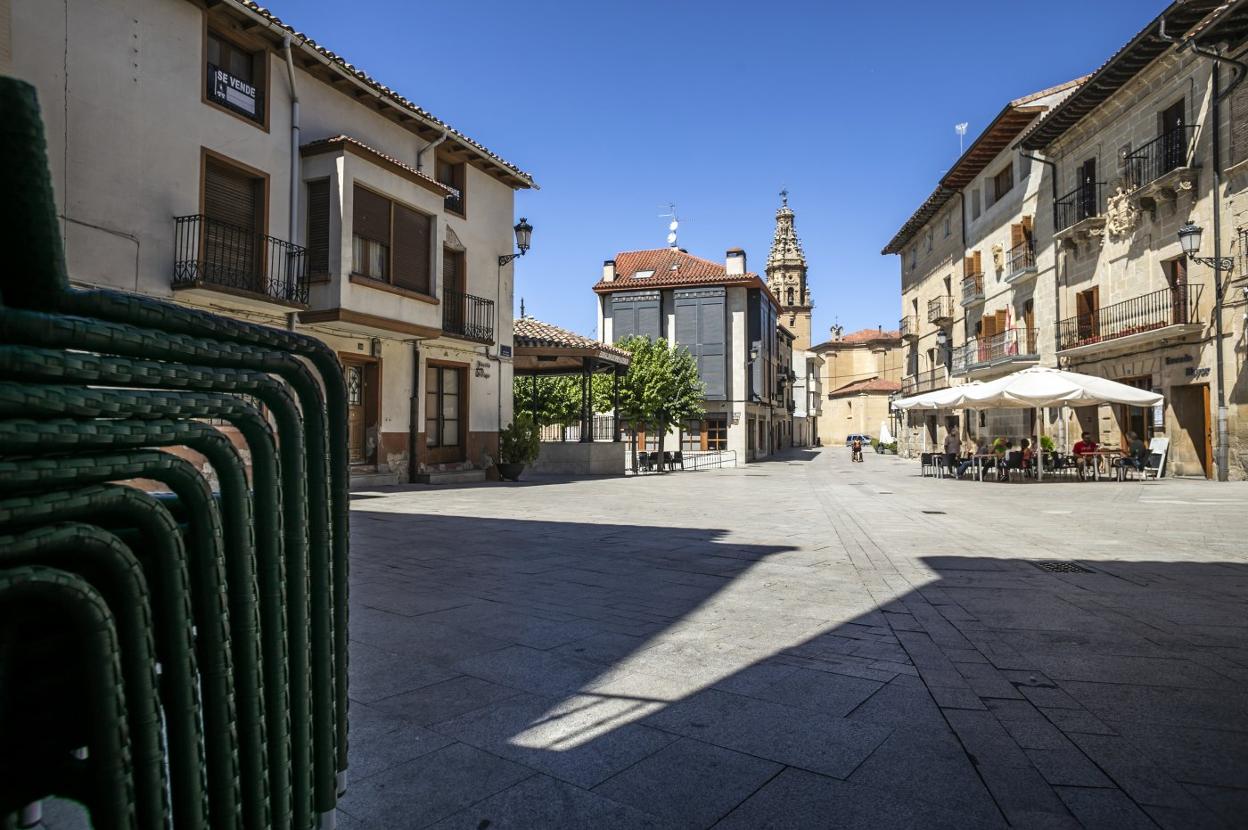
<point>618,108</point>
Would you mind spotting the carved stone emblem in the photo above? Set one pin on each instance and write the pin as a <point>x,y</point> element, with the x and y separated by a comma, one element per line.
<point>1121,214</point>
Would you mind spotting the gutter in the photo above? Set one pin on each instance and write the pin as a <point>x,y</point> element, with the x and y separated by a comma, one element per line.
<point>420,164</point>
<point>294,141</point>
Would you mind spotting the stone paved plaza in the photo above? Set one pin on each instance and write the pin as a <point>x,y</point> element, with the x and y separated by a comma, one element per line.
<point>803,643</point>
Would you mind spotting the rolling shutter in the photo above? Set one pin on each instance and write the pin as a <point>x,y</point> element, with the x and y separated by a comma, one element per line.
<point>649,321</point>
<point>635,313</point>
<point>713,354</point>
<point>232,202</point>
<point>318,228</point>
<point>412,250</point>
<point>231,196</point>
<point>371,216</point>
<point>624,319</point>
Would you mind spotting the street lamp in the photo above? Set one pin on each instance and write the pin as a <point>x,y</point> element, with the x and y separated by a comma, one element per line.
<point>524,234</point>
<point>1189,239</point>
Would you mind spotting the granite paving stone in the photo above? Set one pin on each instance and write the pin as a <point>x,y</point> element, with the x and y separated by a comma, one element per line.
<point>541,801</point>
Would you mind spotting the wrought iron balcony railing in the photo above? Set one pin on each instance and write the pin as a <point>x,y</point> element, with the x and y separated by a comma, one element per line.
<point>1084,202</point>
<point>940,309</point>
<point>468,316</point>
<point>1155,310</point>
<point>1166,152</point>
<point>908,326</point>
<point>208,252</point>
<point>1015,344</point>
<point>1020,260</point>
<point>973,288</point>
<point>455,202</point>
<point>927,380</point>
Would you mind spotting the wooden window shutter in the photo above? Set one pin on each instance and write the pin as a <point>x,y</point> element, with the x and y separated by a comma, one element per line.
<point>232,196</point>
<point>371,215</point>
<point>978,263</point>
<point>412,250</point>
<point>1002,321</point>
<point>318,227</point>
<point>1029,224</point>
<point>1016,236</point>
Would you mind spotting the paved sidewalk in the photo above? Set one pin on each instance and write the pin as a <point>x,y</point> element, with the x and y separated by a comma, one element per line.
<point>802,643</point>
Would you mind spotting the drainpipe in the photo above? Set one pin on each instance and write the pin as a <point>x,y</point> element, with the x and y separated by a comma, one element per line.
<point>1240,69</point>
<point>420,154</point>
<point>413,426</point>
<point>294,141</point>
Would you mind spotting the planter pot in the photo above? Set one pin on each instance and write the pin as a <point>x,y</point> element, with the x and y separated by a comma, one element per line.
<point>510,472</point>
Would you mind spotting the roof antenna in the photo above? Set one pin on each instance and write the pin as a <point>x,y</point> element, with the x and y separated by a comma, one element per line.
<point>522,314</point>
<point>671,226</point>
<point>960,129</point>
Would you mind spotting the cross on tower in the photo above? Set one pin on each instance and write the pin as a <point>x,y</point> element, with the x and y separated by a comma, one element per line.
<point>784,196</point>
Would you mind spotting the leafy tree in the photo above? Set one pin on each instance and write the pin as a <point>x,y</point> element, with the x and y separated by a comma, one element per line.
<point>662,389</point>
<point>558,397</point>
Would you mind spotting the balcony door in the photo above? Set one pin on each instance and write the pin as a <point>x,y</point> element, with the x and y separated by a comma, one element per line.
<point>453,290</point>
<point>1087,189</point>
<point>1173,142</point>
<point>445,413</point>
<point>362,376</point>
<point>1176,276</point>
<point>1087,305</point>
<point>233,224</point>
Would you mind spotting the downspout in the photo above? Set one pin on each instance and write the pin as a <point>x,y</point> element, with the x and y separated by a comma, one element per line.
<point>292,319</point>
<point>420,154</point>
<point>1240,69</point>
<point>413,427</point>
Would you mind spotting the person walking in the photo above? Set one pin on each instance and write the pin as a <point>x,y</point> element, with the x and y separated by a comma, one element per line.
<point>953,447</point>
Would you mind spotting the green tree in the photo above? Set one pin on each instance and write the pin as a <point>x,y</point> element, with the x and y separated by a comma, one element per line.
<point>559,397</point>
<point>661,390</point>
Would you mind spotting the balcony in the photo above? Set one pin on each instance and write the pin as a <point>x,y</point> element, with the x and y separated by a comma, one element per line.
<point>1020,262</point>
<point>469,317</point>
<point>973,288</point>
<point>940,310</point>
<point>1079,212</point>
<point>1160,315</point>
<point>928,380</point>
<point>1011,348</point>
<point>217,257</point>
<point>454,202</point>
<point>1161,167</point>
<point>909,327</point>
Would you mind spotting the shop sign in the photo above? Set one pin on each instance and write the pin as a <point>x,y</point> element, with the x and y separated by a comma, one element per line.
<point>1180,358</point>
<point>1159,413</point>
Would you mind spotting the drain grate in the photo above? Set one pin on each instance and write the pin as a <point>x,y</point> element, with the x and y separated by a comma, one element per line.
<point>1057,566</point>
<point>934,512</point>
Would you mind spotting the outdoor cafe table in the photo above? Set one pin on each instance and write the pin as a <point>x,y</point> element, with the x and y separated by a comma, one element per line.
<point>983,460</point>
<point>1102,453</point>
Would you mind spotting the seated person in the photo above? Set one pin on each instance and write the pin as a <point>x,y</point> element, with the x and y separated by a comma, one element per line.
<point>1084,453</point>
<point>1001,449</point>
<point>1137,452</point>
<point>1029,455</point>
<point>969,461</point>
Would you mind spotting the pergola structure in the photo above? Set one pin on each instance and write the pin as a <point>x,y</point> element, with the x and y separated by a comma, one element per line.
<point>542,349</point>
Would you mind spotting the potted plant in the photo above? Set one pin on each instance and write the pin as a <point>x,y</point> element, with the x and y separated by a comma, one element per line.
<point>518,445</point>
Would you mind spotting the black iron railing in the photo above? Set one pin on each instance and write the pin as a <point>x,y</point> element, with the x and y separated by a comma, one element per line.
<point>468,316</point>
<point>1158,309</point>
<point>908,326</point>
<point>926,381</point>
<point>973,288</point>
<point>1084,202</point>
<point>940,308</point>
<point>1020,259</point>
<point>1158,157</point>
<point>455,202</point>
<point>213,253</point>
<point>1004,347</point>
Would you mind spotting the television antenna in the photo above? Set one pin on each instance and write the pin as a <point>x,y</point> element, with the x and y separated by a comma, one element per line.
<point>961,131</point>
<point>673,225</point>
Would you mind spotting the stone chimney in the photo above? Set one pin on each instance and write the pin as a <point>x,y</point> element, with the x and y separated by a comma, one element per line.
<point>734,261</point>
<point>608,270</point>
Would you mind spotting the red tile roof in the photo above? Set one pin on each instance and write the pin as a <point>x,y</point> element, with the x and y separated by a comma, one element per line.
<point>860,337</point>
<point>536,334</point>
<point>343,138</point>
<point>871,385</point>
<point>672,267</point>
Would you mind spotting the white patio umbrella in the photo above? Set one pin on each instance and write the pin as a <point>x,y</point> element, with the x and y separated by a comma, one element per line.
<point>1042,386</point>
<point>947,398</point>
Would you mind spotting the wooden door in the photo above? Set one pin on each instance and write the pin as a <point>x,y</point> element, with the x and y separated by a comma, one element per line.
<point>445,413</point>
<point>1208,430</point>
<point>357,428</point>
<point>1029,328</point>
<point>1177,276</point>
<point>1086,306</point>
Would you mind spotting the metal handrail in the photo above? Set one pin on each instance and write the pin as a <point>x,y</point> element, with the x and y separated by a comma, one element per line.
<point>927,380</point>
<point>907,326</point>
<point>972,288</point>
<point>1166,152</point>
<point>468,316</point>
<point>710,460</point>
<point>1022,257</point>
<point>940,308</point>
<point>1005,346</point>
<point>211,252</point>
<point>1084,202</point>
<point>1155,310</point>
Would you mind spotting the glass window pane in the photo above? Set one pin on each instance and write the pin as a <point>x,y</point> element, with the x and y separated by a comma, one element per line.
<point>450,406</point>
<point>450,433</point>
<point>431,379</point>
<point>450,381</point>
<point>357,255</point>
<point>431,433</point>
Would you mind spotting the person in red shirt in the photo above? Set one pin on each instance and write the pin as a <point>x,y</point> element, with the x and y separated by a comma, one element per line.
<point>1083,451</point>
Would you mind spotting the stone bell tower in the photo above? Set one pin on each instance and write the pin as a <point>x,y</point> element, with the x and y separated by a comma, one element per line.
<point>786,276</point>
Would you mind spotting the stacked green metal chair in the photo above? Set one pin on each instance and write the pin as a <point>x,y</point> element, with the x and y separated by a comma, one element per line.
<point>173,659</point>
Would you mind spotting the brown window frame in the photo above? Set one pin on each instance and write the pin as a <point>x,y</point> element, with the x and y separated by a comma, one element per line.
<point>260,69</point>
<point>459,181</point>
<point>388,282</point>
<point>997,192</point>
<point>715,432</point>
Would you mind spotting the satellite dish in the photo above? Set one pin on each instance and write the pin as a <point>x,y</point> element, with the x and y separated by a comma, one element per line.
<point>673,226</point>
<point>671,238</point>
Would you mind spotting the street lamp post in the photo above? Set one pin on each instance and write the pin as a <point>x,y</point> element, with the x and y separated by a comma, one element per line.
<point>524,234</point>
<point>1189,239</point>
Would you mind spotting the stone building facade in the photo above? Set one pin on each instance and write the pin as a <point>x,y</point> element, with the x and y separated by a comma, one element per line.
<point>861,372</point>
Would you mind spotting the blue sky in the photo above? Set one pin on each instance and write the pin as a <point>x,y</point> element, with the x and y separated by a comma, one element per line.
<point>618,108</point>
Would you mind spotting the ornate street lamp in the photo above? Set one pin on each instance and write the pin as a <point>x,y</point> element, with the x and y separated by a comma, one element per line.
<point>1189,239</point>
<point>524,234</point>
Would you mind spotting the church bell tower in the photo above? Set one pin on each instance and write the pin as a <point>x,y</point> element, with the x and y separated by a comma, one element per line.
<point>786,276</point>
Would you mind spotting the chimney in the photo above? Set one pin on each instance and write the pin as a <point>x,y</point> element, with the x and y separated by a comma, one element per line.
<point>735,261</point>
<point>608,270</point>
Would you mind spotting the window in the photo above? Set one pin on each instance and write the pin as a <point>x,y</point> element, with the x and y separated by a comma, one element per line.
<point>1002,183</point>
<point>318,228</point>
<point>235,78</point>
<point>975,204</point>
<point>452,175</point>
<point>390,242</point>
<point>691,436</point>
<point>442,407</point>
<point>947,223</point>
<point>644,275</point>
<point>233,224</point>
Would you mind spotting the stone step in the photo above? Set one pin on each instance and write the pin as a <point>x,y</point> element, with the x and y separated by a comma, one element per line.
<point>451,477</point>
<point>372,479</point>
